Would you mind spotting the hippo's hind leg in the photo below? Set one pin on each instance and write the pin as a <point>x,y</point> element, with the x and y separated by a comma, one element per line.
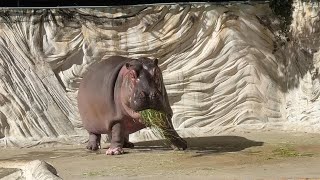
<point>127,143</point>
<point>94,141</point>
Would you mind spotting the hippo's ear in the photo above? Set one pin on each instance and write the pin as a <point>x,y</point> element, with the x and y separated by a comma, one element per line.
<point>128,65</point>
<point>135,65</point>
<point>155,62</point>
<point>131,65</point>
<point>134,68</point>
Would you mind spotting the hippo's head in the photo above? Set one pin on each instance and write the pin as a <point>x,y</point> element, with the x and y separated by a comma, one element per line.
<point>145,85</point>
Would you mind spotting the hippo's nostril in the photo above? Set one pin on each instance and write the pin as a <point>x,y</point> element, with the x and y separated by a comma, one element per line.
<point>154,95</point>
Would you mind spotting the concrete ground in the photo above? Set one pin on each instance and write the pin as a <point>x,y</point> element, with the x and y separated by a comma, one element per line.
<point>264,155</point>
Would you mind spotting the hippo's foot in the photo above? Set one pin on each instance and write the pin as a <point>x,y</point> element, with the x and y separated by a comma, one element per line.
<point>93,145</point>
<point>114,151</point>
<point>179,144</point>
<point>94,141</point>
<point>128,144</point>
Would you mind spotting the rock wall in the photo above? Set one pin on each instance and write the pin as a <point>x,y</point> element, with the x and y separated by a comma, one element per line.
<point>226,67</point>
<point>302,58</point>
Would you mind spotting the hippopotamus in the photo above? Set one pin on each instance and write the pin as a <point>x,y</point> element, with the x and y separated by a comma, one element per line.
<point>111,94</point>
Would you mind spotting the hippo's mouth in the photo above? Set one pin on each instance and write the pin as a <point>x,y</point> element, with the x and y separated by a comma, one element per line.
<point>145,106</point>
<point>137,110</point>
<point>140,104</point>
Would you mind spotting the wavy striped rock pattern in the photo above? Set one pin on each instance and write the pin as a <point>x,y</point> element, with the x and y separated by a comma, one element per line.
<point>224,67</point>
<point>303,63</point>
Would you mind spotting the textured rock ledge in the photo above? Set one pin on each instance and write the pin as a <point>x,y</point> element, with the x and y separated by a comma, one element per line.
<point>36,169</point>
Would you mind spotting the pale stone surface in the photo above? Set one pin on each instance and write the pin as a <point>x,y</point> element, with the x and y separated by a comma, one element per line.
<point>32,170</point>
<point>223,66</point>
<point>303,63</point>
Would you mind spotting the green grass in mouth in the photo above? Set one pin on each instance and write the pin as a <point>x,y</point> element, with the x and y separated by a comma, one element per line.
<point>159,123</point>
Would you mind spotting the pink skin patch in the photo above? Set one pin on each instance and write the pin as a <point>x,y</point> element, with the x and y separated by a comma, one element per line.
<point>129,80</point>
<point>114,151</point>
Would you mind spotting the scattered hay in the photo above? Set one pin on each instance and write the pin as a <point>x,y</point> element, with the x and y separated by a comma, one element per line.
<point>289,152</point>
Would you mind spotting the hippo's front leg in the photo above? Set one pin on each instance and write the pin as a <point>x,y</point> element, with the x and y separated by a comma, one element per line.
<point>117,139</point>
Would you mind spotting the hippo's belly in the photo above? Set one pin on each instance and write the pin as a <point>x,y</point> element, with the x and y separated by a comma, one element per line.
<point>94,121</point>
<point>94,111</point>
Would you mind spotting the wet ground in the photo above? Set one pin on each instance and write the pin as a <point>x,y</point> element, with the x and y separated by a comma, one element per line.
<point>267,155</point>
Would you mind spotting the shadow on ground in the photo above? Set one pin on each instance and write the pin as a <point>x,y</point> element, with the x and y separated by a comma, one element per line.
<point>201,146</point>
<point>206,145</point>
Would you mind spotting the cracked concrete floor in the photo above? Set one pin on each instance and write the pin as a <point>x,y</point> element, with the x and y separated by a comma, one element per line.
<point>263,155</point>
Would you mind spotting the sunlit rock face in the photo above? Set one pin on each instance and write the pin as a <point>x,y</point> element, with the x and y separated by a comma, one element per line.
<point>302,65</point>
<point>224,67</point>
